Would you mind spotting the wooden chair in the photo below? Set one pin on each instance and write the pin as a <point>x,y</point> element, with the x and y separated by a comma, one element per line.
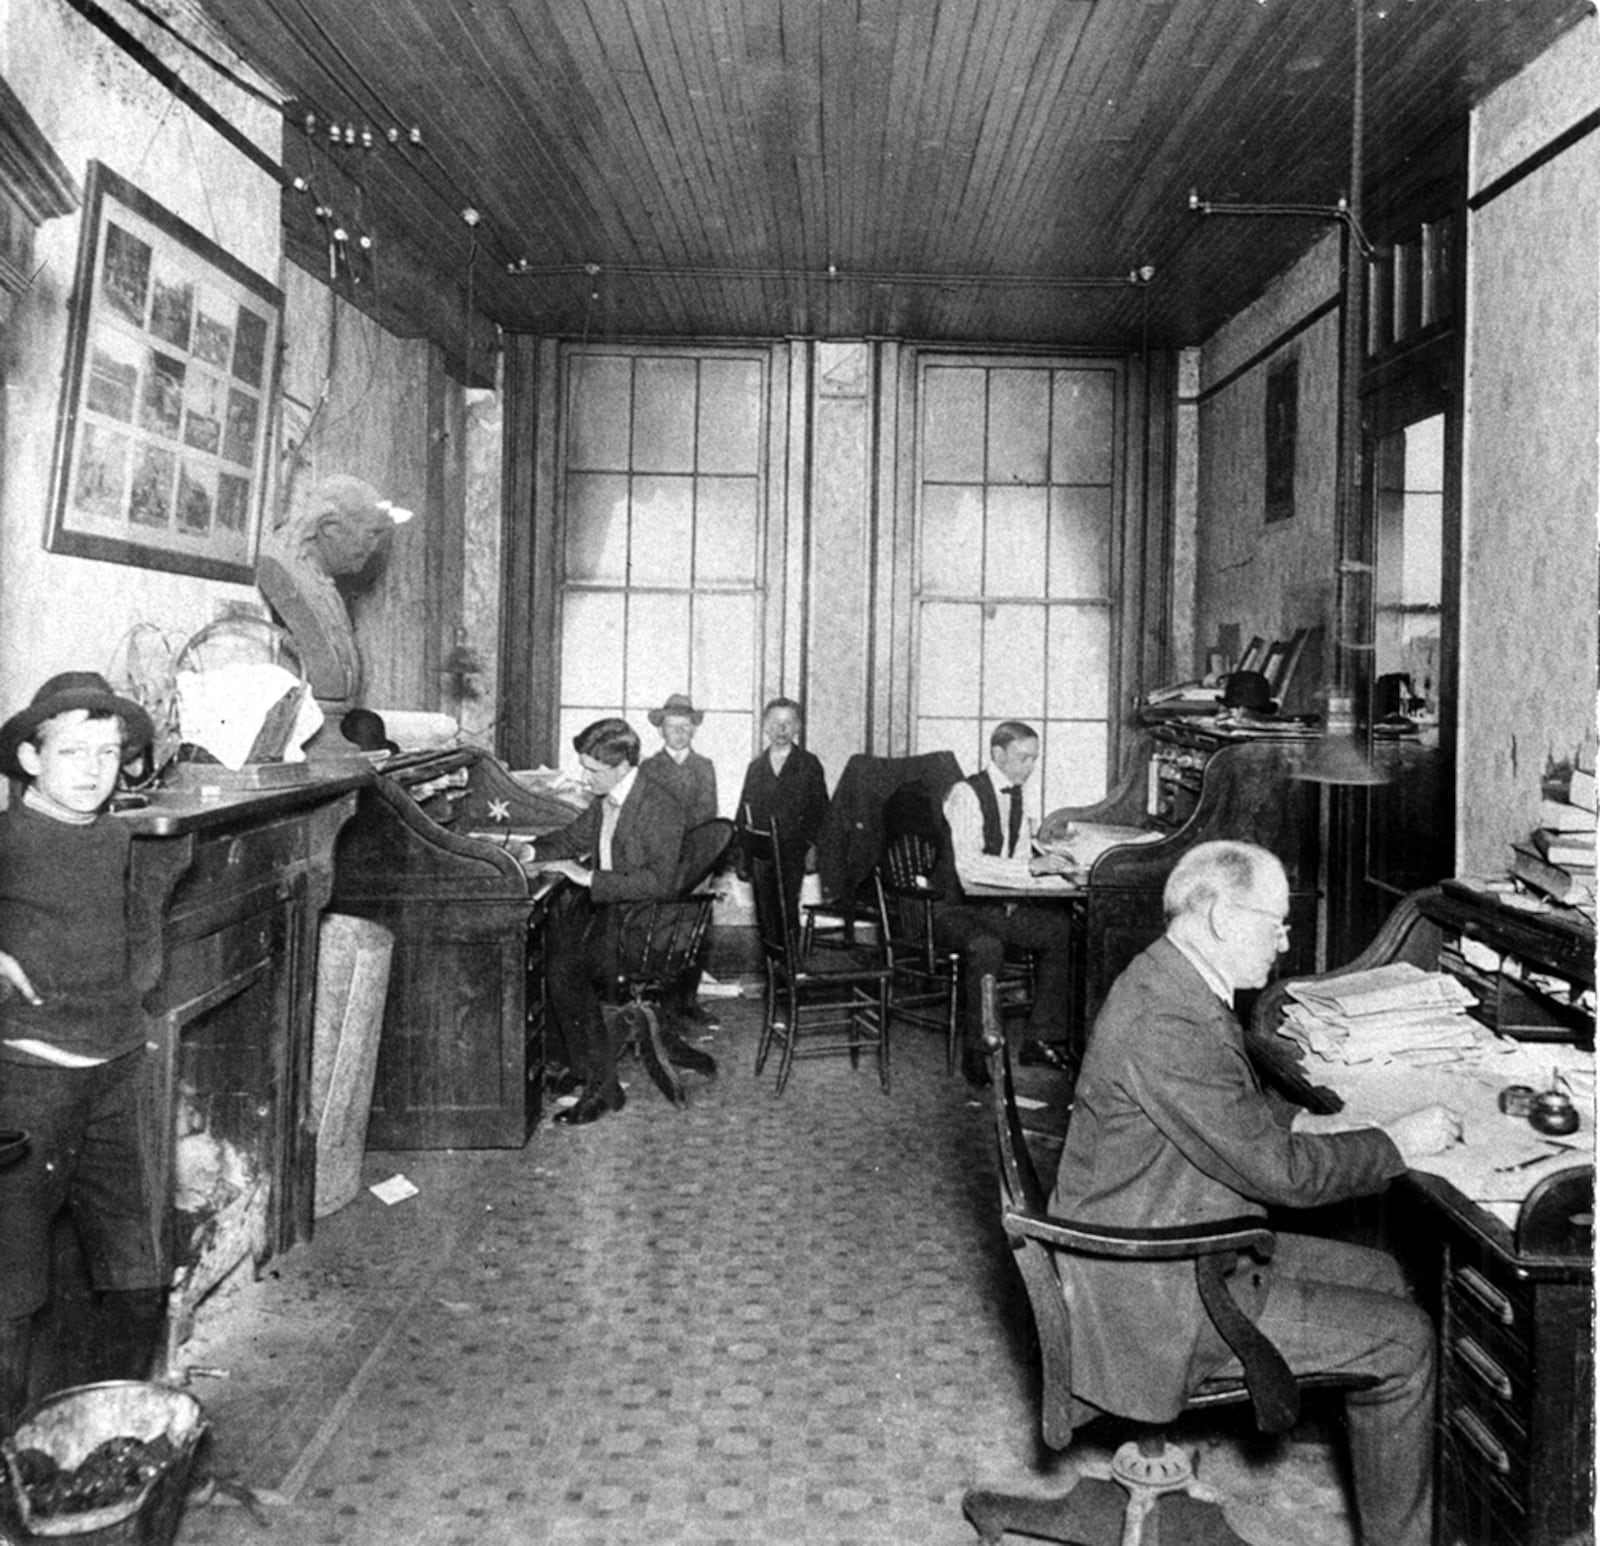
<point>1109,1506</point>
<point>925,985</point>
<point>831,923</point>
<point>657,943</point>
<point>832,1001</point>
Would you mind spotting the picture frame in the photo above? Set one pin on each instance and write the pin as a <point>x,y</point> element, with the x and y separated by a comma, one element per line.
<point>1283,659</point>
<point>171,375</point>
<point>1281,432</point>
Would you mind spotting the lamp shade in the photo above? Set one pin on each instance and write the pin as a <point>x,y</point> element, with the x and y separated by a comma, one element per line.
<point>1337,758</point>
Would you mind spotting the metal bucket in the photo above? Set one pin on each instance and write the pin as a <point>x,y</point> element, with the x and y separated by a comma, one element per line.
<point>69,1425</point>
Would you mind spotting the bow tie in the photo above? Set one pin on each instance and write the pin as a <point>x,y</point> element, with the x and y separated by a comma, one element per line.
<point>1011,789</point>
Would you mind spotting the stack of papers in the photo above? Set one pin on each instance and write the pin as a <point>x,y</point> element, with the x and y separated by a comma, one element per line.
<point>1392,1013</point>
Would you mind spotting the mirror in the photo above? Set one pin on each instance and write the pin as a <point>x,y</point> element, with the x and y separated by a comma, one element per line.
<point>1408,575</point>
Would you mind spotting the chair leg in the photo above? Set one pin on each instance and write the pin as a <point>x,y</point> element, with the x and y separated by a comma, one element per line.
<point>769,1011</point>
<point>680,1054</point>
<point>656,1061</point>
<point>882,1013</point>
<point>791,1034</point>
<point>952,1036</point>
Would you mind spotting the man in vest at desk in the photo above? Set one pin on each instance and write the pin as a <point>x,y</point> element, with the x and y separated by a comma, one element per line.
<point>992,846</point>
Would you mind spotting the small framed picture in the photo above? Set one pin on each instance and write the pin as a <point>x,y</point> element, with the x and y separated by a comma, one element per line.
<point>172,355</point>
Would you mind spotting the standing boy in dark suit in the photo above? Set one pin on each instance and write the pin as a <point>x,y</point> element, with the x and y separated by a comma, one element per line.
<point>678,765</point>
<point>693,779</point>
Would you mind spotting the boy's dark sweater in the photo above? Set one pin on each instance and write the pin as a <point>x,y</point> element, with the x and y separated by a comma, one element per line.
<point>63,915</point>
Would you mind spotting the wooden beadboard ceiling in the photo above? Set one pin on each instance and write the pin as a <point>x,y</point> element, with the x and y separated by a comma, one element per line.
<point>939,170</point>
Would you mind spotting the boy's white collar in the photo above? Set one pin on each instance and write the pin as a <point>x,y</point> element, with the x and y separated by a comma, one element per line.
<point>36,800</point>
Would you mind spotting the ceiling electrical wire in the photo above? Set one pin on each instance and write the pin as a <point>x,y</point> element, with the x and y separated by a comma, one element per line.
<point>140,52</point>
<point>830,275</point>
<point>355,86</point>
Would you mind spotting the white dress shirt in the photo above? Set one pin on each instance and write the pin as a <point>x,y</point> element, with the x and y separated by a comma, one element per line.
<point>608,816</point>
<point>976,868</point>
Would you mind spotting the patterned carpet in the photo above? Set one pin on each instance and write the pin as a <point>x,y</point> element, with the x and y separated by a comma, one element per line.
<point>754,1320</point>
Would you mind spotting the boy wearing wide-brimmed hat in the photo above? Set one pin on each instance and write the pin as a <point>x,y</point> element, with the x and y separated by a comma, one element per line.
<point>678,765</point>
<point>693,778</point>
<point>71,1044</point>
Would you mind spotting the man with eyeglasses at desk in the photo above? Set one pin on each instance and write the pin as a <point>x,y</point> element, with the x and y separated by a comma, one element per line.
<point>1171,1126</point>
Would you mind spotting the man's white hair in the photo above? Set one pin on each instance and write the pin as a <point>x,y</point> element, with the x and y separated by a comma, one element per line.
<point>1212,871</point>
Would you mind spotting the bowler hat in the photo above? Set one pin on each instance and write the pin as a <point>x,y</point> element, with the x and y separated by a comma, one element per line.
<point>61,695</point>
<point>364,728</point>
<point>679,707</point>
<point>1249,690</point>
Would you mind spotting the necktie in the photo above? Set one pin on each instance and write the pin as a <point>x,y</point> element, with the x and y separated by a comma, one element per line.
<point>1014,819</point>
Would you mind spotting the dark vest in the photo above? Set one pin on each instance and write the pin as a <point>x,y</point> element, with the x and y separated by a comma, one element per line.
<point>994,833</point>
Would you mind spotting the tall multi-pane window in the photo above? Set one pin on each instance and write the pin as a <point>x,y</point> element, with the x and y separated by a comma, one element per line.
<point>662,503</point>
<point>1014,583</point>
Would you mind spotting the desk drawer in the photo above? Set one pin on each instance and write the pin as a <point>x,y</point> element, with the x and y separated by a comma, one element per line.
<point>232,862</point>
<point>1491,1436</point>
<point>1497,1381</point>
<point>1490,1302</point>
<point>1475,1506</point>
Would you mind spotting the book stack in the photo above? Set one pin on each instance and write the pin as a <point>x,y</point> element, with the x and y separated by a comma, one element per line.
<point>1559,857</point>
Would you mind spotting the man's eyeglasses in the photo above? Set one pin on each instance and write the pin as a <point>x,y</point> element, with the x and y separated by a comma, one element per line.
<point>1281,924</point>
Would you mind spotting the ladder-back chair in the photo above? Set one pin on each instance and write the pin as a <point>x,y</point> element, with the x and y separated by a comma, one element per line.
<point>925,985</point>
<point>830,1001</point>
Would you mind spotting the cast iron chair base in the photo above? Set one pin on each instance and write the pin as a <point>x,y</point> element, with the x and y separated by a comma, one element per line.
<point>639,1026</point>
<point>1138,1500</point>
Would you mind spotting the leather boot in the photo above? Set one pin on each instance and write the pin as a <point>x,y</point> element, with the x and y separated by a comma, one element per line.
<point>130,1325</point>
<point>16,1342</point>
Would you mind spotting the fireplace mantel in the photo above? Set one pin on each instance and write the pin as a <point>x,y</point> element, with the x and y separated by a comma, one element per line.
<point>227,897</point>
<point>34,187</point>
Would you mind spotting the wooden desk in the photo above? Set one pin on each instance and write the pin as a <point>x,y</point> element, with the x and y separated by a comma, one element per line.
<point>1510,1261</point>
<point>1187,785</point>
<point>428,856</point>
<point>226,895</point>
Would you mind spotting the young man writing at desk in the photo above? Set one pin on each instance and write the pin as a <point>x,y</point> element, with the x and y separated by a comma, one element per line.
<point>1170,1127</point>
<point>624,848</point>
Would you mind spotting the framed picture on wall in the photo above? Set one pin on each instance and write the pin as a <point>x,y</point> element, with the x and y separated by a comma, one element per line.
<point>1282,431</point>
<point>172,355</point>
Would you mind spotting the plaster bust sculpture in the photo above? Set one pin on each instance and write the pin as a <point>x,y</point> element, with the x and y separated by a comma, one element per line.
<point>343,534</point>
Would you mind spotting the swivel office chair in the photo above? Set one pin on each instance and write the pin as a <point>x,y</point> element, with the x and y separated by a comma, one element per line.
<point>1147,1475</point>
<point>657,943</point>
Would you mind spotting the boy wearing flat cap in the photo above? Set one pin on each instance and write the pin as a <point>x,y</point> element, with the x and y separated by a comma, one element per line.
<point>71,1045</point>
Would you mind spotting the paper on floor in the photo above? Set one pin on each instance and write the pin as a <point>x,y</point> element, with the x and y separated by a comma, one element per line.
<point>396,1189</point>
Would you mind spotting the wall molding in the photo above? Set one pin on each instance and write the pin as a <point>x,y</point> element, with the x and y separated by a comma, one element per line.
<point>1264,353</point>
